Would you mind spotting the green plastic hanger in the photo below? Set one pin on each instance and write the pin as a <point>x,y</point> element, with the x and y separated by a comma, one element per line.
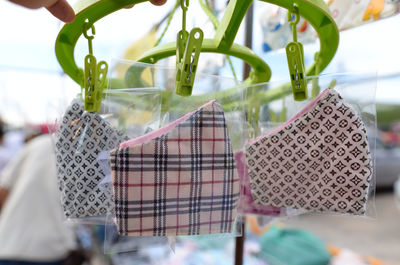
<point>70,33</point>
<point>314,11</point>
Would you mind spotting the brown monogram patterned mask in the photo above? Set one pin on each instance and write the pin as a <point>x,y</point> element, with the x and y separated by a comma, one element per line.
<point>319,160</point>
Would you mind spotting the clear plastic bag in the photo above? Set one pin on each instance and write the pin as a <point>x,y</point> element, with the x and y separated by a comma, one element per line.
<point>115,243</point>
<point>213,96</point>
<point>246,203</point>
<point>226,91</point>
<point>79,139</point>
<point>134,112</point>
<point>336,183</point>
<point>83,141</point>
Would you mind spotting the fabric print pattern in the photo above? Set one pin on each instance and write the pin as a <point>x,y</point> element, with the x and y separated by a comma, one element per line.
<point>179,180</point>
<point>246,202</point>
<point>319,160</point>
<point>79,140</point>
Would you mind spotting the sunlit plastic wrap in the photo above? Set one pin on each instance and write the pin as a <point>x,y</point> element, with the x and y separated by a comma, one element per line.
<point>83,141</point>
<point>177,175</point>
<point>115,243</point>
<point>80,138</point>
<point>315,155</point>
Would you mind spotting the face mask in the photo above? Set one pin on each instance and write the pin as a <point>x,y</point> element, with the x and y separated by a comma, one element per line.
<point>179,180</point>
<point>319,160</point>
<point>246,202</point>
<point>81,137</point>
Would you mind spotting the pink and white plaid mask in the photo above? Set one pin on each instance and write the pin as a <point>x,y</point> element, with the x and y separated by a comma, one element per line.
<point>179,180</point>
<point>319,160</point>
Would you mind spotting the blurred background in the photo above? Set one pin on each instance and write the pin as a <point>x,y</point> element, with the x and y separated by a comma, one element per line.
<point>34,91</point>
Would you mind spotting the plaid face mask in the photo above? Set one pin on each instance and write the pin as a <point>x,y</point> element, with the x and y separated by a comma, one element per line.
<point>319,160</point>
<point>179,180</point>
<point>81,137</point>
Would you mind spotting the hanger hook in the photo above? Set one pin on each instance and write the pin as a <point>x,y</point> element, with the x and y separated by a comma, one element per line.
<point>184,4</point>
<point>293,11</point>
<point>86,27</point>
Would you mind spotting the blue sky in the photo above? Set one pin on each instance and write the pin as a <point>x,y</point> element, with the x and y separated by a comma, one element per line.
<point>32,85</point>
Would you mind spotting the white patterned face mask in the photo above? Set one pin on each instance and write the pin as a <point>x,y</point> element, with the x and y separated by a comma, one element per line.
<point>80,139</point>
<point>319,160</point>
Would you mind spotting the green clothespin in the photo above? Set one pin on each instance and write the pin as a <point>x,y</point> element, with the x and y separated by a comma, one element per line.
<point>186,70</point>
<point>187,55</point>
<point>94,74</point>
<point>295,58</point>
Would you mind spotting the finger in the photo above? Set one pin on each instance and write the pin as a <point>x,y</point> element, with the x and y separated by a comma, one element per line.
<point>30,4</point>
<point>154,2</point>
<point>63,11</point>
<point>158,2</point>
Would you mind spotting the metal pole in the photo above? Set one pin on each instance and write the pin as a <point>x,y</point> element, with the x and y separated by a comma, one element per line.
<point>239,246</point>
<point>248,41</point>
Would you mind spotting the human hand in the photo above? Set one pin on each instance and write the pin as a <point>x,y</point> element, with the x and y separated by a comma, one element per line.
<point>158,2</point>
<point>60,8</point>
<point>154,2</point>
